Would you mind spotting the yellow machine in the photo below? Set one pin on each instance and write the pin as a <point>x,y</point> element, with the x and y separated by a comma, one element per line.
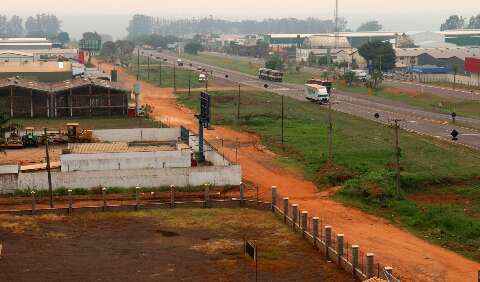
<point>75,135</point>
<point>14,141</point>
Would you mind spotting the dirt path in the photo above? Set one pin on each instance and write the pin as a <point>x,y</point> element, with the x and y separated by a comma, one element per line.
<point>413,259</point>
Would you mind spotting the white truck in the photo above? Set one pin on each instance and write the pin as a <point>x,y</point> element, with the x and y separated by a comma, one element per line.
<point>317,93</point>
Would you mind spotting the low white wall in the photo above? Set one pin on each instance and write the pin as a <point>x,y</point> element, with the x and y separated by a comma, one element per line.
<point>181,177</point>
<point>137,134</point>
<point>473,80</point>
<point>211,154</point>
<point>8,183</point>
<point>9,169</point>
<point>125,161</point>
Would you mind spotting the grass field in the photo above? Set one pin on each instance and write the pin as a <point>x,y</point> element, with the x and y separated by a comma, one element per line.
<point>182,75</point>
<point>160,245</point>
<point>364,156</point>
<point>426,101</point>
<point>91,123</point>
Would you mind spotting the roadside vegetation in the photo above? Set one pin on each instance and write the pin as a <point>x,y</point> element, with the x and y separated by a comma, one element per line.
<point>425,101</point>
<point>364,164</point>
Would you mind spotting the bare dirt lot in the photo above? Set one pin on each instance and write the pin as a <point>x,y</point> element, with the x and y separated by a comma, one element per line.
<point>414,259</point>
<point>164,245</point>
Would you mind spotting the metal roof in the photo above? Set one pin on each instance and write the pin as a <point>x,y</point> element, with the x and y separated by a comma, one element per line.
<point>35,67</point>
<point>438,53</point>
<point>60,86</point>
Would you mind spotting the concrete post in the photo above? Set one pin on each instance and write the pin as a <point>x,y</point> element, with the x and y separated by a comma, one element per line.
<point>294,215</point>
<point>104,198</point>
<point>355,249</point>
<point>369,268</point>
<point>70,202</point>
<point>389,270</point>
<point>328,239</point>
<point>285,209</point>
<point>242,196</point>
<point>304,222</point>
<point>137,198</point>
<point>172,196</point>
<point>315,223</point>
<point>207,196</point>
<point>340,247</point>
<point>274,198</point>
<point>34,204</point>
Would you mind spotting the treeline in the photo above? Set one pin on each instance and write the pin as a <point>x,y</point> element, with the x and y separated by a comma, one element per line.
<point>40,25</point>
<point>144,25</point>
<point>455,22</point>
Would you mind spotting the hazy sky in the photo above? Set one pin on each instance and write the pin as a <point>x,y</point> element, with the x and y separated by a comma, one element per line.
<point>394,14</point>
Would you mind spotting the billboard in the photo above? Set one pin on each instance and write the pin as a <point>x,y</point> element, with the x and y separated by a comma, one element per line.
<point>472,65</point>
<point>90,44</point>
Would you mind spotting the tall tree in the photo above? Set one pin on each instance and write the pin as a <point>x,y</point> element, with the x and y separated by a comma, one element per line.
<point>453,22</point>
<point>43,25</point>
<point>63,37</point>
<point>474,22</point>
<point>15,27</point>
<point>370,26</point>
<point>380,54</point>
<point>124,48</point>
<point>3,26</point>
<point>109,49</point>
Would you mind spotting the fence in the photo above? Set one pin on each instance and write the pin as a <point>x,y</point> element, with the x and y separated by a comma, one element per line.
<point>330,244</point>
<point>471,81</point>
<point>334,247</point>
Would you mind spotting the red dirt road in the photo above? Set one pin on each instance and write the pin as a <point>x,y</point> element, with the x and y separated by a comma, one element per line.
<point>412,258</point>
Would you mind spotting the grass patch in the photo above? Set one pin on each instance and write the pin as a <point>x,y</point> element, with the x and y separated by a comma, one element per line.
<point>364,154</point>
<point>182,75</point>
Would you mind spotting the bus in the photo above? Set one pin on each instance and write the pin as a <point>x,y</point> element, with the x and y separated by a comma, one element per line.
<point>270,75</point>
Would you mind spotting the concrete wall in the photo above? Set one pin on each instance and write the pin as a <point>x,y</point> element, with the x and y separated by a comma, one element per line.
<point>473,80</point>
<point>9,169</point>
<point>181,177</point>
<point>125,161</point>
<point>211,154</point>
<point>140,134</point>
<point>8,183</point>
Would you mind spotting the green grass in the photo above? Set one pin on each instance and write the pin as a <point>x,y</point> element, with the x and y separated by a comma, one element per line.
<point>363,153</point>
<point>182,75</point>
<point>90,123</point>
<point>426,101</point>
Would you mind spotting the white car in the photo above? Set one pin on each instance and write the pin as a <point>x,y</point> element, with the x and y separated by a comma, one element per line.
<point>202,77</point>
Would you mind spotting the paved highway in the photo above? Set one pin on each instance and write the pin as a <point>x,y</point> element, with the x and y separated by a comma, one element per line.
<point>414,120</point>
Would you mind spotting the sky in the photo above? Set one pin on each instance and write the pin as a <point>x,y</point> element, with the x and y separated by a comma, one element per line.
<point>111,16</point>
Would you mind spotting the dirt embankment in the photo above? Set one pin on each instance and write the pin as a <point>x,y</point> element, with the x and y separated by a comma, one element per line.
<point>413,258</point>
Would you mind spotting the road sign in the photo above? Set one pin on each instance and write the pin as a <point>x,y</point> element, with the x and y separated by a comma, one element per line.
<point>205,101</point>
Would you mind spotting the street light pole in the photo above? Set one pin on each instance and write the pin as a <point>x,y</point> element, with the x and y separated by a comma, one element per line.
<point>160,73</point>
<point>174,78</point>
<point>148,68</point>
<point>330,130</point>
<point>282,118</point>
<point>398,153</point>
<point>138,63</point>
<point>238,103</point>
<point>189,82</point>
<point>49,174</point>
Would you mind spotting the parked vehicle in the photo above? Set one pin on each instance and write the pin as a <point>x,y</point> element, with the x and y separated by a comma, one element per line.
<point>29,139</point>
<point>360,75</point>
<point>14,141</point>
<point>180,62</point>
<point>317,93</point>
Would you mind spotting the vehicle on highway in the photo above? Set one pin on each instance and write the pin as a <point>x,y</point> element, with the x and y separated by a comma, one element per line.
<point>360,75</point>
<point>180,62</point>
<point>202,77</point>
<point>317,93</point>
<point>269,74</point>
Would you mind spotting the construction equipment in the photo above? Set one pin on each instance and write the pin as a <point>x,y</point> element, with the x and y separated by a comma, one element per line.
<point>14,141</point>
<point>29,139</point>
<point>75,135</point>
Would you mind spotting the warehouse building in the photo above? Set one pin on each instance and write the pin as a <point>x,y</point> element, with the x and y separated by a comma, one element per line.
<point>71,98</point>
<point>24,43</point>
<point>441,57</point>
<point>41,71</point>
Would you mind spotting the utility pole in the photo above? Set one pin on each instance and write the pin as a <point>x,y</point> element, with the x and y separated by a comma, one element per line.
<point>174,78</point>
<point>138,63</point>
<point>238,103</point>
<point>330,129</point>
<point>189,82</point>
<point>397,153</point>
<point>148,68</point>
<point>49,174</point>
<point>282,119</point>
<point>160,73</point>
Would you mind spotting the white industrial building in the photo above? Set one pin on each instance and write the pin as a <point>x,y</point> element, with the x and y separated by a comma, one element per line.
<point>25,43</point>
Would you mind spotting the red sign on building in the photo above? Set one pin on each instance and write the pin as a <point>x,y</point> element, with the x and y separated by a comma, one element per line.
<point>472,65</point>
